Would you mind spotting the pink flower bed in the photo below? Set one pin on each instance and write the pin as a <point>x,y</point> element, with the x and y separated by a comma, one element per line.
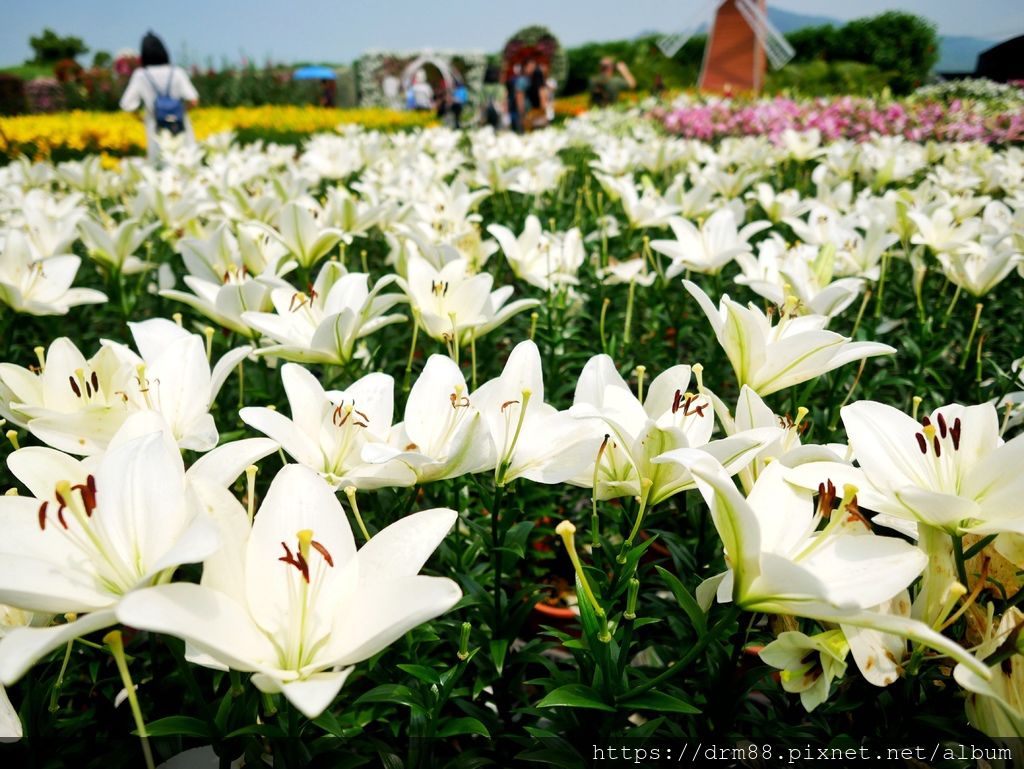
<point>845,117</point>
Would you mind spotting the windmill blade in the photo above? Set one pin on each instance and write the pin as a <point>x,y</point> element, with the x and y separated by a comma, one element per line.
<point>777,48</point>
<point>670,44</point>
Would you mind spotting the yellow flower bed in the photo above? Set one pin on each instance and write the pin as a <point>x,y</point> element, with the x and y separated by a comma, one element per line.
<point>123,133</point>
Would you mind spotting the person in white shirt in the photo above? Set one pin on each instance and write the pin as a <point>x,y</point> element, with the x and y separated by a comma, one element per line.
<point>156,77</point>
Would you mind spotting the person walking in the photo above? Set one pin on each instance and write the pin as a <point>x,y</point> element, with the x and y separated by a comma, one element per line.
<point>163,91</point>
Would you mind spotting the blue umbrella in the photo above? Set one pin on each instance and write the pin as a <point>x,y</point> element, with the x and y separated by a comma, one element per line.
<point>314,73</point>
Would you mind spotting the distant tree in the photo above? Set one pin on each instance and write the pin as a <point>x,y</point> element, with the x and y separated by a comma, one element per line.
<point>893,41</point>
<point>102,59</point>
<point>814,43</point>
<point>51,47</point>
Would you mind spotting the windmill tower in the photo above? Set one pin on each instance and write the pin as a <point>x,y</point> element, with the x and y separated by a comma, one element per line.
<point>741,40</point>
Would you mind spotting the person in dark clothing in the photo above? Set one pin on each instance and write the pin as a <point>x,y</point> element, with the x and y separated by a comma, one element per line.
<point>514,87</point>
<point>460,95</point>
<point>536,96</point>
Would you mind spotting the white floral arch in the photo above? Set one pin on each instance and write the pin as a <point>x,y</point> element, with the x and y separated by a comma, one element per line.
<point>373,68</point>
<point>449,73</point>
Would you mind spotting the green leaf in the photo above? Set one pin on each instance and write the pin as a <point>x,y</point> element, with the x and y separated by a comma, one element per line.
<point>686,601</point>
<point>498,649</point>
<point>185,725</point>
<point>575,696</point>
<point>272,731</point>
<point>423,673</point>
<point>465,725</point>
<point>515,539</point>
<point>661,702</point>
<point>394,693</point>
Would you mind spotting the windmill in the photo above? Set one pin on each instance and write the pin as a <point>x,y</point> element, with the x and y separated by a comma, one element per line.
<point>740,39</point>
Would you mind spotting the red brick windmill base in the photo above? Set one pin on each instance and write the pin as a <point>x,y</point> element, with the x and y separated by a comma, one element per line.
<point>734,59</point>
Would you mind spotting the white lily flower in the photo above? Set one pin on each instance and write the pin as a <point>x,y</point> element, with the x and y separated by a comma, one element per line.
<point>809,664</point>
<point>77,405</point>
<point>114,245</point>
<point>96,529</point>
<point>669,417</point>
<point>979,267</point>
<point>951,470</point>
<point>941,232</point>
<point>996,706</point>
<point>300,229</point>
<point>778,205</point>
<point>324,325</point>
<point>40,287</point>
<point>50,223</point>
<point>531,438</point>
<point>753,414</point>
<point>769,357</point>
<point>635,270</point>
<point>542,259</point>
<point>643,211</point>
<point>780,563</point>
<point>801,145</point>
<point>452,304</point>
<point>293,602</point>
<point>329,430</point>
<point>10,723</point>
<point>443,435</point>
<point>805,272</point>
<point>229,276</point>
<point>710,248</point>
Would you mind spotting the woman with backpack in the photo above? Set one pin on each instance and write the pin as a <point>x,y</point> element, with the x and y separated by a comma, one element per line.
<point>164,91</point>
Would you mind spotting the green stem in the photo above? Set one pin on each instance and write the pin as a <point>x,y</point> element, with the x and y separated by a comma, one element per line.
<point>116,644</point>
<point>496,554</point>
<point>970,339</point>
<point>55,692</point>
<point>961,562</point>
<point>702,643</point>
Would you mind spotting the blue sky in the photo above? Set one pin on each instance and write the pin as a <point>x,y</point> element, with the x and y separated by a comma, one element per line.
<point>339,30</point>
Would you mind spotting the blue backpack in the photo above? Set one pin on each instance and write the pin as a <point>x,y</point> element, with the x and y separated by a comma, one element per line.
<point>169,111</point>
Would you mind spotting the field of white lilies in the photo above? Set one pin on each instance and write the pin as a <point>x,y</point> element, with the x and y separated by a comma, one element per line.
<point>468,449</point>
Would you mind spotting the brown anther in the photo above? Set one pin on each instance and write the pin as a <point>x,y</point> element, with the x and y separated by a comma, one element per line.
<point>95,382</point>
<point>412,447</point>
<point>925,421</point>
<point>60,517</point>
<point>955,433</point>
<point>340,416</point>
<point>942,424</point>
<point>697,409</point>
<point>937,446</point>
<point>88,492</point>
<point>506,404</point>
<point>323,551</point>
<point>922,444</point>
<point>298,301</point>
<point>358,423</point>
<point>296,560</point>
<point>854,514</point>
<point>826,497</point>
<point>676,399</point>
<point>311,292</point>
<point>88,390</point>
<point>74,387</point>
<point>360,413</point>
<point>42,516</point>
